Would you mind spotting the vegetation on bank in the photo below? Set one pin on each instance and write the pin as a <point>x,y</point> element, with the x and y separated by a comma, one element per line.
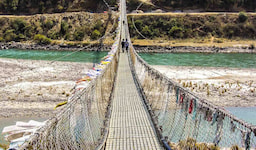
<point>52,6</point>
<point>194,5</point>
<point>207,5</point>
<point>186,26</point>
<point>45,28</point>
<point>188,29</point>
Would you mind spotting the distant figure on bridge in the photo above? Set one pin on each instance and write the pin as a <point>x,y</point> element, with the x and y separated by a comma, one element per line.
<point>123,44</point>
<point>126,45</point>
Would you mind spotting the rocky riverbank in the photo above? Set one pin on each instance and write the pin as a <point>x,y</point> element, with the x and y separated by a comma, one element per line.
<point>34,87</point>
<point>140,49</point>
<point>224,87</point>
<point>60,47</point>
<point>191,49</point>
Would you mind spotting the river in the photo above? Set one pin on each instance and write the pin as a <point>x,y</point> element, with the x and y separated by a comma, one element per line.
<point>80,56</point>
<point>177,59</point>
<point>199,59</point>
<point>173,59</point>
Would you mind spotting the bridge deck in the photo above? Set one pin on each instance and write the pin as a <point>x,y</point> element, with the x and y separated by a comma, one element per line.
<point>130,125</point>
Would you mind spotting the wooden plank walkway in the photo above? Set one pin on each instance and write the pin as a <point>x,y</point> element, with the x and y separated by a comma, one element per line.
<point>130,125</point>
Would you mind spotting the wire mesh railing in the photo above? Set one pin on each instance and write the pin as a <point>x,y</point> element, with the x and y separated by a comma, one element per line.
<point>82,123</point>
<point>186,120</point>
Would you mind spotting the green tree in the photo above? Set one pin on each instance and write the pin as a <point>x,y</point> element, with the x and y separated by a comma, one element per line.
<point>78,35</point>
<point>146,31</point>
<point>176,32</point>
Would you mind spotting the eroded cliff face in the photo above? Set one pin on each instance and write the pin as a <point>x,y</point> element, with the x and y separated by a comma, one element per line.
<point>76,26</point>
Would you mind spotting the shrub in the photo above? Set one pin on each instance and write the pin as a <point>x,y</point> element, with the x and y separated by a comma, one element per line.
<point>146,31</point>
<point>67,36</point>
<point>98,25</point>
<point>217,40</point>
<point>242,17</point>
<point>64,28</point>
<point>13,4</point>
<point>138,24</point>
<point>176,32</point>
<point>173,22</point>
<point>41,7</point>
<point>251,46</point>
<point>95,34</point>
<point>156,33</point>
<point>41,39</point>
<point>21,37</point>
<point>78,35</point>
<point>28,31</point>
<point>53,34</point>
<point>9,35</point>
<point>19,25</point>
<point>231,30</point>
<point>59,8</point>
<point>48,24</point>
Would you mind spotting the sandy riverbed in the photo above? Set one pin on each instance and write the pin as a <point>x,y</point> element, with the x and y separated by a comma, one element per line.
<point>222,86</point>
<point>34,87</point>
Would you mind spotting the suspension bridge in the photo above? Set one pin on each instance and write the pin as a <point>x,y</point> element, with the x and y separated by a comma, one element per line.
<point>129,105</point>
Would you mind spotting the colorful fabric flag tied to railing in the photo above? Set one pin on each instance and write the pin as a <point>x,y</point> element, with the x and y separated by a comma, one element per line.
<point>91,74</point>
<point>96,71</point>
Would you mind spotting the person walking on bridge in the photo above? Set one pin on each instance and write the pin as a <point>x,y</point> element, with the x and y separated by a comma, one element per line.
<point>123,44</point>
<point>126,45</point>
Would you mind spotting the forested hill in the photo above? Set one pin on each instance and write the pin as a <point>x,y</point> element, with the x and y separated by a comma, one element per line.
<point>52,6</point>
<point>20,7</point>
<point>196,5</point>
<point>208,5</point>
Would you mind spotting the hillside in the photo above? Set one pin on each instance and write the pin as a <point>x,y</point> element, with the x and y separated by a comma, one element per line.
<point>76,26</point>
<point>20,7</point>
<point>195,5</point>
<point>195,28</point>
<point>52,6</point>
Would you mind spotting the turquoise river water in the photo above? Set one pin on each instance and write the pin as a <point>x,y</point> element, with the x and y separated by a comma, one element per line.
<point>200,59</point>
<point>53,55</point>
<point>177,59</point>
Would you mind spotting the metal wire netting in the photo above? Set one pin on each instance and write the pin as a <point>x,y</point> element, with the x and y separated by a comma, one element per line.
<point>82,123</point>
<point>180,115</point>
